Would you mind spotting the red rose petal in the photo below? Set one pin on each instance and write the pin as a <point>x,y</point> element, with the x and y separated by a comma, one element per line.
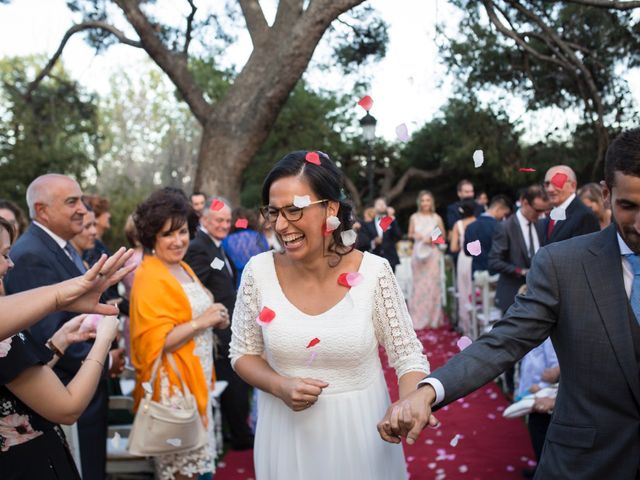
<point>527,169</point>
<point>366,102</point>
<point>439,240</point>
<point>342,280</point>
<point>242,223</point>
<point>312,157</point>
<point>313,342</point>
<point>266,316</point>
<point>559,179</point>
<point>385,223</point>
<point>350,279</point>
<point>216,205</point>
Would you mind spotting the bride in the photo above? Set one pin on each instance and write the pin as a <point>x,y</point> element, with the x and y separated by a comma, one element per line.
<point>306,330</point>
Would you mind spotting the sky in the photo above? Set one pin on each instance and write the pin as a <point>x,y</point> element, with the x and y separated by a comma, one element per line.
<point>408,86</point>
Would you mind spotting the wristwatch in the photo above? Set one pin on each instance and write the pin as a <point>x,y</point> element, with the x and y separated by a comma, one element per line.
<point>56,351</point>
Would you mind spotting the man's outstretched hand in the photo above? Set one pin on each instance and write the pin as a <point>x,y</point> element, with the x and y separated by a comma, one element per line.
<point>409,416</point>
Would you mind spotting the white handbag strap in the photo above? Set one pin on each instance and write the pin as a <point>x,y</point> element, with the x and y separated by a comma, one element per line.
<point>172,362</point>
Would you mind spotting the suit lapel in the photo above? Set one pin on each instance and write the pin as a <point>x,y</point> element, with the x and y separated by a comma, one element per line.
<point>59,254</point>
<point>604,274</point>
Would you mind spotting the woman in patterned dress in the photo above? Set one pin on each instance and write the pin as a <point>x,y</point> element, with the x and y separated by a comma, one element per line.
<point>172,312</point>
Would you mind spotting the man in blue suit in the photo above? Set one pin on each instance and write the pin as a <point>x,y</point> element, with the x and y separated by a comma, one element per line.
<point>44,256</point>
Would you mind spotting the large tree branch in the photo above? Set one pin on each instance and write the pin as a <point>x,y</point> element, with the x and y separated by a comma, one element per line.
<point>80,27</point>
<point>256,23</point>
<point>410,174</point>
<point>174,64</point>
<point>608,4</point>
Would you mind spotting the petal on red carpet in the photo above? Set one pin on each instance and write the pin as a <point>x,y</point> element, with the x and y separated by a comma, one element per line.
<point>487,446</point>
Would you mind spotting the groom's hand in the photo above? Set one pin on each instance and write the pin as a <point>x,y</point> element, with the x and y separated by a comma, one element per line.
<point>409,416</point>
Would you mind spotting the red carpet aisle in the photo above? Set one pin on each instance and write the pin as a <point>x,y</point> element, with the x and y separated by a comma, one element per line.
<point>487,447</point>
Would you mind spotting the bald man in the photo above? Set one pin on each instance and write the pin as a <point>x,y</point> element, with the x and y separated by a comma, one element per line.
<point>561,183</point>
<point>44,256</point>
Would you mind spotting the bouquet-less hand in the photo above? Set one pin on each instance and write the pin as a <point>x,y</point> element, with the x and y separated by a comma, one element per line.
<point>300,393</point>
<point>409,416</point>
<point>82,294</point>
<point>216,316</point>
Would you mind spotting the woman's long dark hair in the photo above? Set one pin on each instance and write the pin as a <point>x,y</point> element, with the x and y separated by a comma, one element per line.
<point>327,182</point>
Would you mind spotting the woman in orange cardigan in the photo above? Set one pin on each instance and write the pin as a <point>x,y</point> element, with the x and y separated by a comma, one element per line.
<point>172,312</point>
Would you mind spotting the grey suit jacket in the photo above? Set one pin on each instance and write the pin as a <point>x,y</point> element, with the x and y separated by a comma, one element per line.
<point>576,295</point>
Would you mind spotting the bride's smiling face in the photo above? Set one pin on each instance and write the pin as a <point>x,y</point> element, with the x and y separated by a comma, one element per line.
<point>303,237</point>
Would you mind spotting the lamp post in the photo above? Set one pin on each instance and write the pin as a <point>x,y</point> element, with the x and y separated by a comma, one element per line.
<point>368,124</point>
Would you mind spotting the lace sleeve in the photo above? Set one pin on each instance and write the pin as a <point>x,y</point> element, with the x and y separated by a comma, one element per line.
<point>394,328</point>
<point>246,334</point>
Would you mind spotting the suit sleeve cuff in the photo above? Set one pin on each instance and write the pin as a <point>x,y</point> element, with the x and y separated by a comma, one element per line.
<point>437,386</point>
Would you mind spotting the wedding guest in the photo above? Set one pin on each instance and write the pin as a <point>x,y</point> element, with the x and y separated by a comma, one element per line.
<point>425,303</point>
<point>197,202</point>
<point>100,207</point>
<point>86,239</point>
<point>482,199</point>
<point>560,182</point>
<point>43,255</point>
<point>14,214</point>
<point>33,401</point>
<point>591,195</point>
<point>464,190</point>
<point>382,242</point>
<point>311,407</point>
<point>464,281</point>
<point>242,243</point>
<point>172,312</point>
<point>482,231</point>
<point>201,256</point>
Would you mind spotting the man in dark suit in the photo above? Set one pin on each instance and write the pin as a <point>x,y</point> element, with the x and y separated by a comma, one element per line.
<point>464,190</point>
<point>585,294</point>
<point>515,242</point>
<point>483,228</point>
<point>379,242</point>
<point>210,263</point>
<point>560,183</point>
<point>44,256</point>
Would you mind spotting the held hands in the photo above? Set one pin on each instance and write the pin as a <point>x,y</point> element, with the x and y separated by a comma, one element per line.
<point>409,416</point>
<point>300,393</point>
<point>216,316</point>
<point>82,294</point>
<point>70,333</point>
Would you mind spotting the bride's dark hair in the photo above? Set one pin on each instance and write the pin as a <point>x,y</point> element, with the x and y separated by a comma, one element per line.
<point>326,181</point>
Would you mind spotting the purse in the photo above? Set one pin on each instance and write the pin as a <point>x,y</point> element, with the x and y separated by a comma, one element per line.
<point>159,429</point>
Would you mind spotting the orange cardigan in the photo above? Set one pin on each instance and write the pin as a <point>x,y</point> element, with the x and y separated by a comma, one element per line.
<point>158,304</point>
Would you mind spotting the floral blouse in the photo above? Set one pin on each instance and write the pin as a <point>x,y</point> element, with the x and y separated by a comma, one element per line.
<point>18,423</point>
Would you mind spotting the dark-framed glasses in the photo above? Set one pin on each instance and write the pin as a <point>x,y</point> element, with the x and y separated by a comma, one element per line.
<point>290,212</point>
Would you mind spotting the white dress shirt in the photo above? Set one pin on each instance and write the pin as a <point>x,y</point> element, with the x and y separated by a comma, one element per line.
<point>524,226</point>
<point>627,274</point>
<point>62,243</point>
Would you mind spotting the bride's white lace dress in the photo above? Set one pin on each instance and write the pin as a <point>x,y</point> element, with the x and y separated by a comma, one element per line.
<point>337,437</point>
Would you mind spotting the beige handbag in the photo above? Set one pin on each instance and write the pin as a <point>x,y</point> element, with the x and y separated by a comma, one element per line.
<point>159,429</point>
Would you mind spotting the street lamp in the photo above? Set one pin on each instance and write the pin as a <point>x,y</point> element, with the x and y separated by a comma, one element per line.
<point>368,124</point>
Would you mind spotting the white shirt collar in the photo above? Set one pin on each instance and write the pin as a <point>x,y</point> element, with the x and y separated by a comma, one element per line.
<point>624,248</point>
<point>59,240</point>
<point>566,203</point>
<point>215,240</point>
<point>521,218</point>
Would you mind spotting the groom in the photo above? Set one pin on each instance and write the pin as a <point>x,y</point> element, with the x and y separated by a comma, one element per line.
<point>585,294</point>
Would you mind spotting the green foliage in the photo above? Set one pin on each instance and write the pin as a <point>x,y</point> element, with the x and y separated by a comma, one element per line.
<point>53,130</point>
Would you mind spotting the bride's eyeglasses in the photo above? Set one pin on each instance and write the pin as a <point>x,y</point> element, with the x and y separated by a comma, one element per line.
<point>290,212</point>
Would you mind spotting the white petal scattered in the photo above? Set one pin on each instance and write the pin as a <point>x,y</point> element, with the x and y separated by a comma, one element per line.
<point>402,132</point>
<point>436,233</point>
<point>115,441</point>
<point>147,387</point>
<point>349,237</point>
<point>333,222</point>
<point>217,264</point>
<point>463,469</point>
<point>432,466</point>
<point>478,158</point>
<point>176,442</point>
<point>454,441</point>
<point>474,248</point>
<point>558,214</point>
<point>301,201</point>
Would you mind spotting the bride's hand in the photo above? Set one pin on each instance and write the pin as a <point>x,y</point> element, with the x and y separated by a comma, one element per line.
<point>300,393</point>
